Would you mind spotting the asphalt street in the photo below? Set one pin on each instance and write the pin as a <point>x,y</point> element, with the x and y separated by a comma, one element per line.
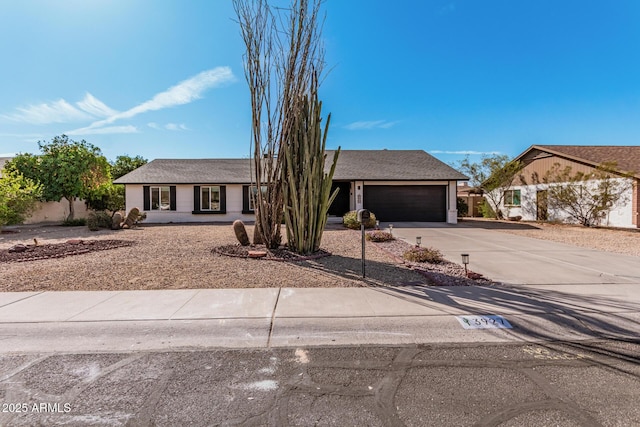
<point>591,383</point>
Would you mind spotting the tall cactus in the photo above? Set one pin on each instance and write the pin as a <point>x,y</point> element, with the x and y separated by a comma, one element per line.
<point>306,187</point>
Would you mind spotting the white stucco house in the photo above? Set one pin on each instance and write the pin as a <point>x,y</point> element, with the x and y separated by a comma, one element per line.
<point>528,195</point>
<point>396,185</point>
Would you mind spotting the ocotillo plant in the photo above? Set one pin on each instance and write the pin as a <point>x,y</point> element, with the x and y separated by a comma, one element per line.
<point>306,187</point>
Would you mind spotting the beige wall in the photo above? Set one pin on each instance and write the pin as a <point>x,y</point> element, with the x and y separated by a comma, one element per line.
<point>56,211</point>
<point>535,171</point>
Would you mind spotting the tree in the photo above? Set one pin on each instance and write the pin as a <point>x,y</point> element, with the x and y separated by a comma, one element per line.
<point>125,164</point>
<point>587,197</point>
<point>492,176</point>
<point>111,197</point>
<point>65,168</point>
<point>18,197</point>
<point>283,64</point>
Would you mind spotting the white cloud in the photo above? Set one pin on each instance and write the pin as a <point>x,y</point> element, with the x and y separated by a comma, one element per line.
<point>59,111</point>
<point>174,126</point>
<point>95,107</point>
<point>183,93</point>
<point>465,152</point>
<point>103,130</point>
<point>168,126</point>
<point>374,124</point>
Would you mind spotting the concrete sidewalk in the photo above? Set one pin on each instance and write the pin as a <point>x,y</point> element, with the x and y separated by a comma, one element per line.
<point>272,317</point>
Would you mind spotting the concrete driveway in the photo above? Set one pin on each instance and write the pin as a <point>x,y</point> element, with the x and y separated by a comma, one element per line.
<point>521,260</point>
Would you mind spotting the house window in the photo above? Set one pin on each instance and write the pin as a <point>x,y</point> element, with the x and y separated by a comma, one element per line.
<point>160,198</point>
<point>512,198</point>
<point>253,192</point>
<point>210,198</point>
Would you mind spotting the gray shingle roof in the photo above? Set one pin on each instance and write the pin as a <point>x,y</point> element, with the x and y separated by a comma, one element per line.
<point>368,165</point>
<point>391,165</point>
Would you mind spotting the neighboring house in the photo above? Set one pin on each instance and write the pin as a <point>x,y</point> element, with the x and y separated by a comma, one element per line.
<point>528,197</point>
<point>51,211</point>
<point>472,197</point>
<point>395,185</point>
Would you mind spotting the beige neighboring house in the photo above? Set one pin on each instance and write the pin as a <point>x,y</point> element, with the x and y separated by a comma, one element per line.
<point>51,211</point>
<point>528,195</point>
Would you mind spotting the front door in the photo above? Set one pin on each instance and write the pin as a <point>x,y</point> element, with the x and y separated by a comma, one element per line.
<point>541,205</point>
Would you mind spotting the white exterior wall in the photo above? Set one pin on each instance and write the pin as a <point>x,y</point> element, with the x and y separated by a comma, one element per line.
<point>184,205</point>
<point>621,215</point>
<point>184,202</point>
<point>452,208</point>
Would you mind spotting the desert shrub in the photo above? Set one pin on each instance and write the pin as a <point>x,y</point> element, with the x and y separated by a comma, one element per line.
<point>379,236</point>
<point>99,219</point>
<point>429,255</point>
<point>350,220</point>
<point>486,210</point>
<point>74,222</point>
<point>462,206</point>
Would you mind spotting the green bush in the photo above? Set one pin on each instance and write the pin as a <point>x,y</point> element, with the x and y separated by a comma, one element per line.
<point>74,222</point>
<point>486,210</point>
<point>462,206</point>
<point>350,220</point>
<point>430,255</point>
<point>379,236</point>
<point>99,219</point>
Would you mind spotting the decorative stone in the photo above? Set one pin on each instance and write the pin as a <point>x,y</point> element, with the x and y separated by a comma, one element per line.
<point>117,220</point>
<point>18,248</point>
<point>257,254</point>
<point>74,241</point>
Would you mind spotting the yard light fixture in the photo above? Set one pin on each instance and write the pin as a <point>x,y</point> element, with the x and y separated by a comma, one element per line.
<point>418,241</point>
<point>465,261</point>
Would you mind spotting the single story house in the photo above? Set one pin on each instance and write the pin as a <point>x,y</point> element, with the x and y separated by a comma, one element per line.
<point>396,185</point>
<point>528,195</point>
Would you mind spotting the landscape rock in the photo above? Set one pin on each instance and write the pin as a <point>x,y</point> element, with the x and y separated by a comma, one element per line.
<point>18,248</point>
<point>74,241</point>
<point>257,254</point>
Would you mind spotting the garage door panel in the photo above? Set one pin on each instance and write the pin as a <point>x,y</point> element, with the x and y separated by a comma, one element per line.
<point>407,202</point>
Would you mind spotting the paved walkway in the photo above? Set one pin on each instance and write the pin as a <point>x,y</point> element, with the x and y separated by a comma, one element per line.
<point>551,292</point>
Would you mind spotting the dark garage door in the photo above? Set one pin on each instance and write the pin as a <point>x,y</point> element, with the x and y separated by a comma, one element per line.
<point>407,202</point>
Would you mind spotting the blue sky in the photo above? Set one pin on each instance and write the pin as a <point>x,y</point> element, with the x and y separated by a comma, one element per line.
<point>164,79</point>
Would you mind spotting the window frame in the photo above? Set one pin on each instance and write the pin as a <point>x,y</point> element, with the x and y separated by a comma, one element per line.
<point>160,190</point>
<point>210,189</point>
<point>253,190</point>
<point>509,201</point>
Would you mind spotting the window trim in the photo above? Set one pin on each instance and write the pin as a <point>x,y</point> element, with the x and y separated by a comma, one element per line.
<point>510,202</point>
<point>210,188</point>
<point>197,202</point>
<point>161,189</point>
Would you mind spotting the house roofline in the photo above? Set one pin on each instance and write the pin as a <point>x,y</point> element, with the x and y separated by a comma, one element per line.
<point>573,158</point>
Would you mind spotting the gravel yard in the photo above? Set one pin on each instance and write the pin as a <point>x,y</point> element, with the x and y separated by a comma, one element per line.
<point>179,257</point>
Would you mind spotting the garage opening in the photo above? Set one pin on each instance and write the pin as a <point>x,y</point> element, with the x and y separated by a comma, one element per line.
<point>426,203</point>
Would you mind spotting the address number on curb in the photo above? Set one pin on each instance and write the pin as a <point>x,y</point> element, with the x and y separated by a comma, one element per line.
<point>484,322</point>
